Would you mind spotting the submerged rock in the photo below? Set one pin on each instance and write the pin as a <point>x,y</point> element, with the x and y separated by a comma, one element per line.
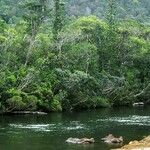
<point>80,141</point>
<point>110,139</point>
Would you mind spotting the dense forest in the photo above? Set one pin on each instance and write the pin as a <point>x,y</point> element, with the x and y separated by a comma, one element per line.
<point>73,54</point>
<point>127,9</point>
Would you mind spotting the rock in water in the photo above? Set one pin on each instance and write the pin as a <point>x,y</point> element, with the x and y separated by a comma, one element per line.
<point>80,141</point>
<point>110,139</point>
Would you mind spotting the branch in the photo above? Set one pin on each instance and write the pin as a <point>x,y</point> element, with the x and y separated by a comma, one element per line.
<point>143,91</point>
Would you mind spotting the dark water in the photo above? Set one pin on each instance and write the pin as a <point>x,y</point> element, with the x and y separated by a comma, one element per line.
<point>49,132</point>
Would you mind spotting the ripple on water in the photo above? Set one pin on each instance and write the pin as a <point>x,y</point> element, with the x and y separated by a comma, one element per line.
<point>36,127</point>
<point>74,128</point>
<point>50,127</point>
<point>131,120</point>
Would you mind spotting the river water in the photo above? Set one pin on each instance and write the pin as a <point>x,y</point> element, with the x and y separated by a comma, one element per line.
<point>49,132</point>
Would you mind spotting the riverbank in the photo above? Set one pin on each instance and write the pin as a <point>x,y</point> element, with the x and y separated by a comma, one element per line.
<point>138,145</point>
<point>24,113</point>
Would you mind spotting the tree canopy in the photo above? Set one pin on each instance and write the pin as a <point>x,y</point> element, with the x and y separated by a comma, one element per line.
<point>56,58</point>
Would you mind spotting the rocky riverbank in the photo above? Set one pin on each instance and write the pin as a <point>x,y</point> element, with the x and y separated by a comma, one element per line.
<point>138,145</point>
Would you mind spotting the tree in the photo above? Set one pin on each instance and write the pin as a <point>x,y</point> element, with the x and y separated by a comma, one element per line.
<point>58,17</point>
<point>35,14</point>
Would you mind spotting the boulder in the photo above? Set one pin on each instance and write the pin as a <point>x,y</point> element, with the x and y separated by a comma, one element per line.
<point>80,141</point>
<point>137,145</point>
<point>110,139</point>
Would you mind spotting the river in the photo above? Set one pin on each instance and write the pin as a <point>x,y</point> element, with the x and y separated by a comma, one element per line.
<point>49,132</point>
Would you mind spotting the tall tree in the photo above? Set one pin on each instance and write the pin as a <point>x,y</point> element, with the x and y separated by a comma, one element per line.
<point>111,38</point>
<point>58,17</point>
<point>34,16</point>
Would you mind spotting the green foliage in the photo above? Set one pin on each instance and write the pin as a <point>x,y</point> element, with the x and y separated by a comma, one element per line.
<point>56,103</point>
<point>59,17</point>
<point>21,103</point>
<point>15,103</point>
<point>102,102</point>
<point>30,102</point>
<point>89,24</point>
<point>82,90</point>
<point>85,63</point>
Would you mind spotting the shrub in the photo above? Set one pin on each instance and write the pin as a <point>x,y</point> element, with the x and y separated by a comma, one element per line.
<point>15,103</point>
<point>102,102</point>
<point>56,104</point>
<point>44,105</point>
<point>30,102</point>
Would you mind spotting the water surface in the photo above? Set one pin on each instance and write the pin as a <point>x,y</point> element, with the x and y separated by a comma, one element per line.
<point>49,132</point>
